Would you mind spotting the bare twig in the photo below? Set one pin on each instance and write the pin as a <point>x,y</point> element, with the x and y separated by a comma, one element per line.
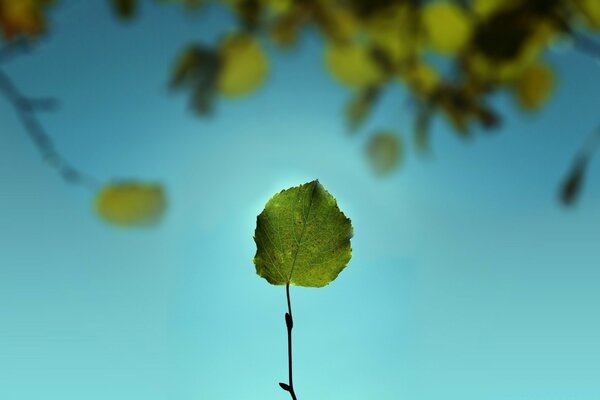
<point>27,109</point>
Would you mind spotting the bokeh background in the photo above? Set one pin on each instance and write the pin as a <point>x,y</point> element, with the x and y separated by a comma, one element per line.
<point>468,280</point>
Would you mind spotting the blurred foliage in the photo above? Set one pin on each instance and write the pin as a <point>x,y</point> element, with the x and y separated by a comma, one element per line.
<point>451,56</point>
<point>131,204</point>
<point>384,152</point>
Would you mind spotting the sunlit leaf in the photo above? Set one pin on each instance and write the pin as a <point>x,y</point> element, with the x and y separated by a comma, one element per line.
<point>244,65</point>
<point>384,152</point>
<point>353,65</point>
<point>447,28</point>
<point>534,87</point>
<point>131,204</point>
<point>302,238</point>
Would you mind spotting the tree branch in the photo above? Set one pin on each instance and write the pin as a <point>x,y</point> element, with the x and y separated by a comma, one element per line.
<point>26,109</point>
<point>571,187</point>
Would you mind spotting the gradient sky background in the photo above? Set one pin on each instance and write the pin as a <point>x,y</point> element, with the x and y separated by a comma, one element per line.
<point>468,282</point>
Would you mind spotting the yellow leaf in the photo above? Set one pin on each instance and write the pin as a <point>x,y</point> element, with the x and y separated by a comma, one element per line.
<point>353,65</point>
<point>21,18</point>
<point>447,28</point>
<point>534,87</point>
<point>244,66</point>
<point>131,204</point>
<point>384,152</point>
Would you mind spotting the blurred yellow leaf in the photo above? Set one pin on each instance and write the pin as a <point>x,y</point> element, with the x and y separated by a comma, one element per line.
<point>353,65</point>
<point>131,204</point>
<point>22,17</point>
<point>447,28</point>
<point>384,152</point>
<point>395,32</point>
<point>244,65</point>
<point>534,87</point>
<point>590,12</point>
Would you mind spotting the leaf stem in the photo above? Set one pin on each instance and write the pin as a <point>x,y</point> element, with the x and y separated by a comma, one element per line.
<point>289,323</point>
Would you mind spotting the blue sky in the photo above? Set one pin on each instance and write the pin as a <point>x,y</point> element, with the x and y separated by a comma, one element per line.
<point>468,280</point>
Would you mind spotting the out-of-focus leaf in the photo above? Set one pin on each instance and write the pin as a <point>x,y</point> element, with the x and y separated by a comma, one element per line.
<point>384,152</point>
<point>131,204</point>
<point>337,23</point>
<point>353,65</point>
<point>509,42</point>
<point>249,12</point>
<point>534,87</point>
<point>302,238</point>
<point>422,130</point>
<point>394,30</point>
<point>125,9</point>
<point>447,28</point>
<point>22,18</point>
<point>197,70</point>
<point>359,108</point>
<point>422,79</point>
<point>589,10</point>
<point>244,65</point>
<point>284,31</point>
<point>571,187</point>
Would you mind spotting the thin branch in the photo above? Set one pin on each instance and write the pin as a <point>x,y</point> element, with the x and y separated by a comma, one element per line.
<point>571,187</point>
<point>26,109</point>
<point>289,323</point>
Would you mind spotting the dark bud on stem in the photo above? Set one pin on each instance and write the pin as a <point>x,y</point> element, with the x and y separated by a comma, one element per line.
<point>285,387</point>
<point>288,321</point>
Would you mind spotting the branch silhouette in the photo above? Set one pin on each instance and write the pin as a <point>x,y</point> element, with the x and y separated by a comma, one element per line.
<point>27,109</point>
<point>572,185</point>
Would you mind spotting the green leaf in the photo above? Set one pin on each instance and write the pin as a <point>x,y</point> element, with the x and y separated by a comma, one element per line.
<point>302,238</point>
